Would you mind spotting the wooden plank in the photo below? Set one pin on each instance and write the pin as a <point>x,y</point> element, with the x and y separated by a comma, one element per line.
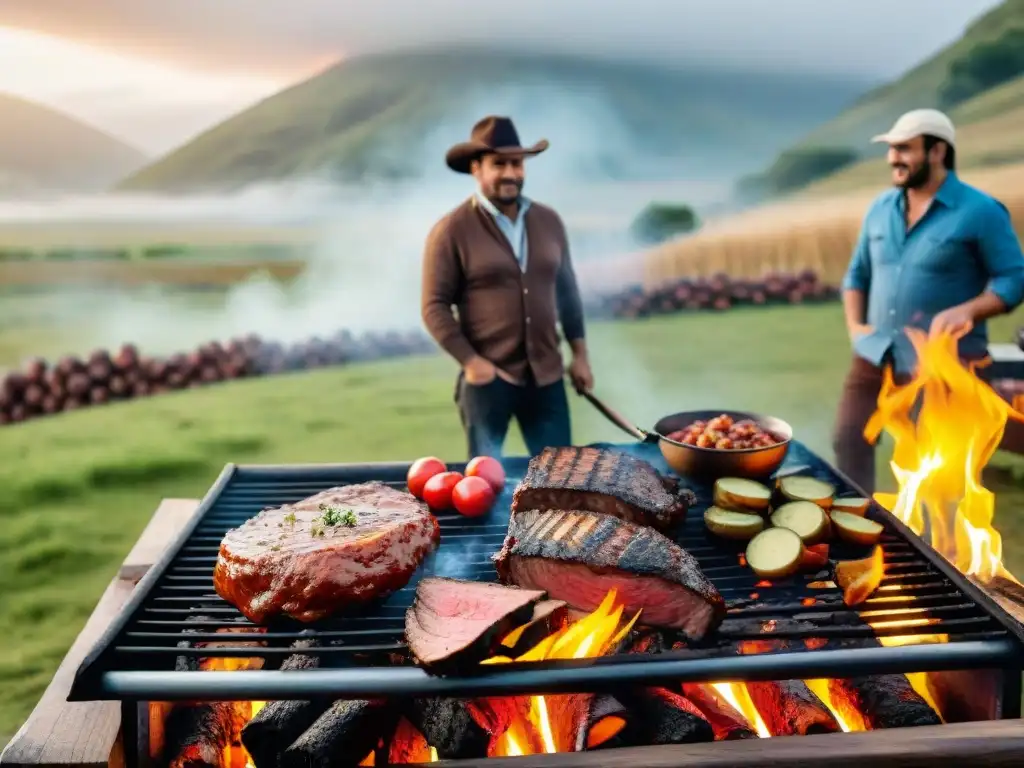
<point>62,733</point>
<point>86,734</point>
<point>169,518</point>
<point>998,744</point>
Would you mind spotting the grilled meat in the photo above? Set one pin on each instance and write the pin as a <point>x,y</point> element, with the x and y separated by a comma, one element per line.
<point>579,556</point>
<point>600,480</point>
<point>454,623</point>
<point>342,547</point>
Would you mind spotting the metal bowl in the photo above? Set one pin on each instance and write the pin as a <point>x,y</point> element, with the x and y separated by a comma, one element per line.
<point>709,464</point>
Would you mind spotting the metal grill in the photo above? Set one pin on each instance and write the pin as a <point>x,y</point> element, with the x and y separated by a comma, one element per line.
<point>363,654</point>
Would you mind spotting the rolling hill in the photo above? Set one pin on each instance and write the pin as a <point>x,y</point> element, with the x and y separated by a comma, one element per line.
<point>42,149</point>
<point>392,115</point>
<point>991,113</point>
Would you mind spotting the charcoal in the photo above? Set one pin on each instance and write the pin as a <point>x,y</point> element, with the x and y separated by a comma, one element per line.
<point>280,723</point>
<point>449,727</point>
<point>196,735</point>
<point>661,716</point>
<point>342,736</point>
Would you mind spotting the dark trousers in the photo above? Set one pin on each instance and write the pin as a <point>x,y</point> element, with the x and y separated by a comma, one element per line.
<point>855,457</point>
<point>487,411</point>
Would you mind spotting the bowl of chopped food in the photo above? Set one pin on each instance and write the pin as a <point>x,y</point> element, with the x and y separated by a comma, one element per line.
<point>707,445</point>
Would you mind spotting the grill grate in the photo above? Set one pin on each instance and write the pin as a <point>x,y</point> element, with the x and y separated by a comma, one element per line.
<point>362,653</point>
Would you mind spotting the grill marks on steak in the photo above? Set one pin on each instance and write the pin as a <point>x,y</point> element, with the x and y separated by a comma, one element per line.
<point>286,561</point>
<point>454,623</point>
<point>604,481</point>
<point>579,556</point>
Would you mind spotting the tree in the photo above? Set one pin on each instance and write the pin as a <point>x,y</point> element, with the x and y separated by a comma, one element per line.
<point>661,221</point>
<point>984,66</point>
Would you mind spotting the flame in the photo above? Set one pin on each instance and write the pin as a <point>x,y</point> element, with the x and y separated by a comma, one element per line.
<point>938,459</point>
<point>860,578</point>
<point>739,697</point>
<point>543,730</point>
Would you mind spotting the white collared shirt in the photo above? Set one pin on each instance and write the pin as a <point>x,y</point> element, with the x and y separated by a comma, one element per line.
<point>514,231</point>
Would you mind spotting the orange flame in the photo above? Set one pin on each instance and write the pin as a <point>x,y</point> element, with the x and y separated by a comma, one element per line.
<point>937,460</point>
<point>592,636</point>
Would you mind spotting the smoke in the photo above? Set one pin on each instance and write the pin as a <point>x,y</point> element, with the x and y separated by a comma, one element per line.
<point>364,268</point>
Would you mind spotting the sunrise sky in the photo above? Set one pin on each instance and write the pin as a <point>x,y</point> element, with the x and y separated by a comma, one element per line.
<point>156,72</point>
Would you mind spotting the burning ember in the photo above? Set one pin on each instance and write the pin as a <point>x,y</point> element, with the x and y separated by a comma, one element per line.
<point>937,460</point>
<point>550,722</point>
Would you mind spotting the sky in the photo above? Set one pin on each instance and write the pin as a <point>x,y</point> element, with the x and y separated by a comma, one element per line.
<point>156,72</point>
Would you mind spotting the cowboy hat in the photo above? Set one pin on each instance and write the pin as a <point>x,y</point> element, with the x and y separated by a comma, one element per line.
<point>491,135</point>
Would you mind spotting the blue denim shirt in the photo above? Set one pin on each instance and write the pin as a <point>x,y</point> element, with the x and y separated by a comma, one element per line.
<point>962,246</point>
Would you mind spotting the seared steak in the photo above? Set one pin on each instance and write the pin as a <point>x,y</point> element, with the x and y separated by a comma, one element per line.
<point>454,623</point>
<point>605,481</point>
<point>579,556</point>
<point>339,548</point>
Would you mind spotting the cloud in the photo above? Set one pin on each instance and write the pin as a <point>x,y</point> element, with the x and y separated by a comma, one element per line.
<point>877,38</point>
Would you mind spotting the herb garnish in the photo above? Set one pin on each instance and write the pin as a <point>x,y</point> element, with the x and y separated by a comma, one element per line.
<point>331,517</point>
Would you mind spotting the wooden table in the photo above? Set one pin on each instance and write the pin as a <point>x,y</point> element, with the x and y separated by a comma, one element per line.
<point>59,733</point>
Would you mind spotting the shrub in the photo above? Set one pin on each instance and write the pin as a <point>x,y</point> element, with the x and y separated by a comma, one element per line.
<point>984,66</point>
<point>662,221</point>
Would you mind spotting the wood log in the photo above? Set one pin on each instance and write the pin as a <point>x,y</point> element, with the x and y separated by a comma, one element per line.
<point>605,720</point>
<point>280,723</point>
<point>199,735</point>
<point>727,722</point>
<point>881,701</point>
<point>789,707</point>
<point>407,745</point>
<point>661,716</point>
<point>449,726</point>
<point>342,735</point>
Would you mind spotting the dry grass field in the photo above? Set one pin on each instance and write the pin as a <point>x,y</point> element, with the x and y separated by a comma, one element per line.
<point>816,231</point>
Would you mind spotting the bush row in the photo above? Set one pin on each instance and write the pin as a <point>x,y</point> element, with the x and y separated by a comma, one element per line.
<point>716,293</point>
<point>43,387</point>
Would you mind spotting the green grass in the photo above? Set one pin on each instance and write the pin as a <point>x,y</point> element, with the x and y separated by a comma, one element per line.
<point>79,488</point>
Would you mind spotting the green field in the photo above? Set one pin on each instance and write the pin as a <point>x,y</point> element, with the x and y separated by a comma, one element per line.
<point>79,488</point>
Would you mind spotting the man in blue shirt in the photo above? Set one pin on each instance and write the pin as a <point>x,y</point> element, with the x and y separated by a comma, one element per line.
<point>933,253</point>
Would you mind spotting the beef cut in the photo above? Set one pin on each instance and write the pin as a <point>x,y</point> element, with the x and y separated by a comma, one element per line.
<point>453,623</point>
<point>342,547</point>
<point>600,480</point>
<point>579,557</point>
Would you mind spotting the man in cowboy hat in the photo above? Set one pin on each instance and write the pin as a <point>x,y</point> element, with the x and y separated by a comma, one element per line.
<point>503,261</point>
<point>933,253</point>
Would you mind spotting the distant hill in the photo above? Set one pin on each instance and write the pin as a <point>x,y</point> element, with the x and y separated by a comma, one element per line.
<point>942,81</point>
<point>45,150</point>
<point>392,115</point>
<point>990,132</point>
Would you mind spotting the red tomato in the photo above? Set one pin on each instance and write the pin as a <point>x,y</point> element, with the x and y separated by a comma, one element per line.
<point>473,496</point>
<point>421,471</point>
<point>489,469</point>
<point>437,491</point>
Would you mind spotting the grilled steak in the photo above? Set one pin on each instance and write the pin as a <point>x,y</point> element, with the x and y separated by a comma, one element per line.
<point>454,623</point>
<point>605,481</point>
<point>342,547</point>
<point>579,556</point>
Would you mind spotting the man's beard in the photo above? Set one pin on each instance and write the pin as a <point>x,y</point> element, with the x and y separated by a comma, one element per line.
<point>918,177</point>
<point>497,196</point>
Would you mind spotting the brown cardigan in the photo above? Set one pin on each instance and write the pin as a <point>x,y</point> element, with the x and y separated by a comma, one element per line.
<point>504,315</point>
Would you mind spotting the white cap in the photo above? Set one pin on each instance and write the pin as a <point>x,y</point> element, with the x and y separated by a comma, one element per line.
<point>920,122</point>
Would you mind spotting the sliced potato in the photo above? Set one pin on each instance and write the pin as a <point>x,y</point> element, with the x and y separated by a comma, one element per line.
<point>859,530</point>
<point>742,495</point>
<point>855,506</point>
<point>799,488</point>
<point>804,518</point>
<point>775,553</point>
<point>733,525</point>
